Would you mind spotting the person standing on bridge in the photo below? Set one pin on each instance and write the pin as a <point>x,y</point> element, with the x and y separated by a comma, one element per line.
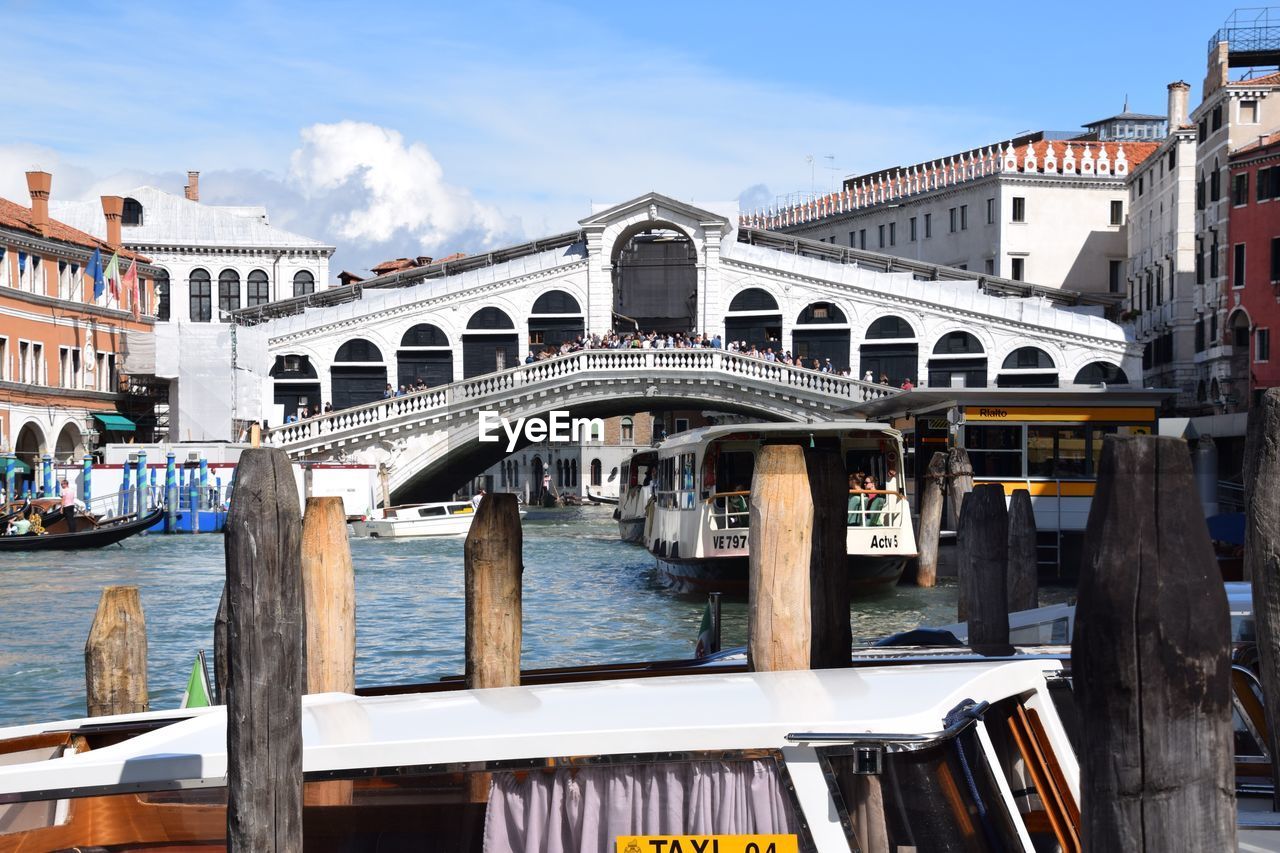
<point>867,377</point>
<point>716,343</point>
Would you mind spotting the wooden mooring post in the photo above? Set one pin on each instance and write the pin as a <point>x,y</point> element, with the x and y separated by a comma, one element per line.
<point>1150,660</point>
<point>959,481</point>
<point>329,595</point>
<point>832,637</point>
<point>931,520</point>
<point>780,544</point>
<point>265,664</point>
<point>115,655</point>
<point>494,569</point>
<point>1262,555</point>
<point>982,545</point>
<point>1024,577</point>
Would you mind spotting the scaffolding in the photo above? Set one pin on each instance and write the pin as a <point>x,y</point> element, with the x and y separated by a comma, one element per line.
<point>1252,36</point>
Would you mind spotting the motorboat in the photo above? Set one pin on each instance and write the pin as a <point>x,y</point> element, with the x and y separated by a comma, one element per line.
<point>637,475</point>
<point>874,758</point>
<point>447,518</point>
<point>701,518</point>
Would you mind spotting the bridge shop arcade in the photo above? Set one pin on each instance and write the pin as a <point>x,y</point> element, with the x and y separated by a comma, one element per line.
<point>1045,440</point>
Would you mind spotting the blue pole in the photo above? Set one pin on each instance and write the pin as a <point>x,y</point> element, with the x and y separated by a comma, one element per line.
<point>217,488</point>
<point>46,464</point>
<point>204,483</point>
<point>142,485</point>
<point>171,491</point>
<point>87,489</point>
<point>10,473</point>
<point>125,484</point>
<point>193,502</point>
<point>152,497</point>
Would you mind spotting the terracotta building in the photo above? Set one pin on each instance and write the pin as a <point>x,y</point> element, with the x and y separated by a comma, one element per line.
<point>63,351</point>
<point>1253,263</point>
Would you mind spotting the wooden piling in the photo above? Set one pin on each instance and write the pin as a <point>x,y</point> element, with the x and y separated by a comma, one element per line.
<point>831,643</point>
<point>329,595</point>
<point>780,544</point>
<point>1262,554</point>
<point>931,520</point>
<point>220,650</point>
<point>115,655</point>
<point>1024,578</point>
<point>1150,660</point>
<point>265,666</point>
<point>982,544</point>
<point>959,480</point>
<point>493,569</point>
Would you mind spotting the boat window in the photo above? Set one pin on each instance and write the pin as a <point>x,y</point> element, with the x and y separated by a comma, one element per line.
<point>583,808</point>
<point>431,510</point>
<point>734,470</point>
<point>928,799</point>
<point>1057,452</point>
<point>994,451</point>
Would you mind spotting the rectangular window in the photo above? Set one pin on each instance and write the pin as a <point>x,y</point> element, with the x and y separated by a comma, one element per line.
<point>1248,112</point>
<point>912,224</point>
<point>1199,334</point>
<point>862,239</point>
<point>1213,259</point>
<point>853,241</point>
<point>991,211</point>
<point>4,358</point>
<point>1117,212</point>
<point>1018,269</point>
<point>893,233</point>
<point>1173,157</point>
<point>24,361</point>
<point>4,268</point>
<point>1237,271</point>
<point>1114,269</point>
<point>880,235</point>
<point>990,266</point>
<point>1057,452</point>
<point>1240,189</point>
<point>1264,184</point>
<point>1215,185</point>
<point>201,300</point>
<point>1141,185</point>
<point>964,217</point>
<point>1019,209</point>
<point>39,376</point>
<point>64,367</point>
<point>1217,118</point>
<point>995,451</point>
<point>1262,345</point>
<point>928,225</point>
<point>951,213</point>
<point>1202,131</point>
<point>1213,329</point>
<point>1199,265</point>
<point>1275,260</point>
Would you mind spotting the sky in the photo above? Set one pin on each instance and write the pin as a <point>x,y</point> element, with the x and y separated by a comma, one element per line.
<point>397,129</point>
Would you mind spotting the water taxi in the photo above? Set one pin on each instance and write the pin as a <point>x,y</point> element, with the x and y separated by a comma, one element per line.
<point>637,493</point>
<point>701,517</point>
<point>874,758</point>
<point>448,518</point>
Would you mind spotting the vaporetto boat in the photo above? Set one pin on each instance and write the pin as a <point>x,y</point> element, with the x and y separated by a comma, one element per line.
<point>700,522</point>
<point>637,494</point>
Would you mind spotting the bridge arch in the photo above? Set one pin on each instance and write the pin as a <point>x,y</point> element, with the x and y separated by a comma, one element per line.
<point>958,359</point>
<point>490,342</point>
<point>890,349</point>
<point>358,374</point>
<point>424,356</point>
<point>822,332</point>
<point>754,316</point>
<point>555,318</point>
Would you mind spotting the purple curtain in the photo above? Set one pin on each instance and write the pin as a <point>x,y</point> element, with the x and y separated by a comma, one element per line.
<point>582,810</point>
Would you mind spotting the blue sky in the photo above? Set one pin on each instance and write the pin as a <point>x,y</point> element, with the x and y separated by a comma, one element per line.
<point>425,128</point>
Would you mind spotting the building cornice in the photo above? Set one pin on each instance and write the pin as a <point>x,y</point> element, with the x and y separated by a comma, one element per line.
<point>73,306</point>
<point>67,251</point>
<point>273,251</point>
<point>52,391</point>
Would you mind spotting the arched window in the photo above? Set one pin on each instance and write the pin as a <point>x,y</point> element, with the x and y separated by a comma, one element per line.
<point>1097,372</point>
<point>425,335</point>
<point>228,292</point>
<point>259,289</point>
<point>199,291</point>
<point>753,299</point>
<point>890,327</point>
<point>162,295</point>
<point>1027,358</point>
<point>424,358</point>
<point>957,343</point>
<point>293,367</point>
<point>596,475</point>
<point>296,385</point>
<point>556,302</point>
<point>627,428</point>
<point>490,318</point>
<point>132,213</point>
<point>358,350</point>
<point>821,312</point>
<point>1028,367</point>
<point>303,283</point>
<point>958,361</point>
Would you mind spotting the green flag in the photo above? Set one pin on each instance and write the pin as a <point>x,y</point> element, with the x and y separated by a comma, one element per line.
<point>197,692</point>
<point>112,273</point>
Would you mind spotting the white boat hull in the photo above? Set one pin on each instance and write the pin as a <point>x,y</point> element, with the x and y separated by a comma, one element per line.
<point>449,525</point>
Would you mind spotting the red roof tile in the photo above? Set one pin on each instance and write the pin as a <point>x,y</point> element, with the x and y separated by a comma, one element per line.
<point>18,218</point>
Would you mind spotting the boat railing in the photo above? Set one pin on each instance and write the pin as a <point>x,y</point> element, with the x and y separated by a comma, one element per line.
<point>730,510</point>
<point>863,514</point>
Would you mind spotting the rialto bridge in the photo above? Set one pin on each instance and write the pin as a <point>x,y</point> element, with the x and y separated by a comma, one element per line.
<point>653,263</point>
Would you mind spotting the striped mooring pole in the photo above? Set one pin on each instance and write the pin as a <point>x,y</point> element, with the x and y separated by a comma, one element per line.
<point>171,491</point>
<point>86,490</point>
<point>142,482</point>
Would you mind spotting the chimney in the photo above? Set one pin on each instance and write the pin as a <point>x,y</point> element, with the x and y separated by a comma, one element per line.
<point>38,184</point>
<point>1178,93</point>
<point>192,189</point>
<point>1219,69</point>
<point>112,207</point>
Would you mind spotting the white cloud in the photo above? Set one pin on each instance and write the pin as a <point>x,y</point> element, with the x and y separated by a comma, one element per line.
<point>402,190</point>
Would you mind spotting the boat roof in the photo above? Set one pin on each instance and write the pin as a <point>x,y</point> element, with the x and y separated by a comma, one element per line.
<point>721,711</point>
<point>703,435</point>
<point>931,399</point>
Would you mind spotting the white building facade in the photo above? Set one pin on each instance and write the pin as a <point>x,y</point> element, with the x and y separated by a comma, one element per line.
<point>1046,211</point>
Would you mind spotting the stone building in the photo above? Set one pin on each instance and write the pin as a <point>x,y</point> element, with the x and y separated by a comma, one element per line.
<point>1253,265</point>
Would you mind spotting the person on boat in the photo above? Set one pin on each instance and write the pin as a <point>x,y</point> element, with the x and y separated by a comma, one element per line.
<point>855,499</point>
<point>18,526</point>
<point>874,503</point>
<point>69,505</point>
<point>476,498</point>
<point>738,509</point>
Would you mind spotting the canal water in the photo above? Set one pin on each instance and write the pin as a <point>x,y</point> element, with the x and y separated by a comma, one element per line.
<point>588,598</point>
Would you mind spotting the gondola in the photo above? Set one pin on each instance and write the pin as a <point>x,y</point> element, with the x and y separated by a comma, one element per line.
<point>114,530</point>
<point>601,499</point>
